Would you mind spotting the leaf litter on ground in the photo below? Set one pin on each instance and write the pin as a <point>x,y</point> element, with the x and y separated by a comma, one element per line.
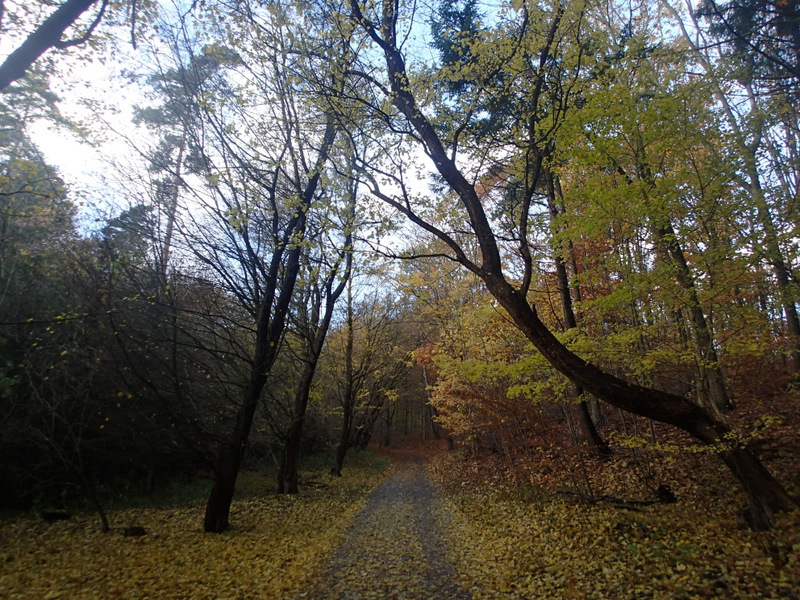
<point>333,541</point>
<point>275,543</point>
<point>509,546</point>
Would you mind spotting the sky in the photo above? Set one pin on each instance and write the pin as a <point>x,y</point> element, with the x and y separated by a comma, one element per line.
<point>95,96</point>
<point>92,93</point>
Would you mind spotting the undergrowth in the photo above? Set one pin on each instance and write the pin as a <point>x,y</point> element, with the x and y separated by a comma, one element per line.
<point>519,538</point>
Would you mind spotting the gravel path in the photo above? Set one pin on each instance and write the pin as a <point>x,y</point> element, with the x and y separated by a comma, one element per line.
<point>393,549</point>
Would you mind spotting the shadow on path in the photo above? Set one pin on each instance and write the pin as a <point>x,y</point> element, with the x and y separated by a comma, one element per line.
<point>393,550</point>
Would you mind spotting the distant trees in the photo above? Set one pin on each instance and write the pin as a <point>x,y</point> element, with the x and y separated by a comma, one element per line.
<point>365,367</point>
<point>621,201</point>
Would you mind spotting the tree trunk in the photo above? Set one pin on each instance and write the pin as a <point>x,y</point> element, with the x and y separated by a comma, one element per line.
<point>764,491</point>
<point>344,442</point>
<point>712,381</point>
<point>288,472</point>
<point>270,325</point>
<point>431,408</point>
<point>88,486</point>
<point>783,276</point>
<point>230,459</point>
<point>172,209</point>
<point>44,37</point>
<point>373,411</point>
<point>597,445</point>
<point>591,435</point>
<point>268,335</point>
<point>348,401</point>
<point>387,423</point>
<point>765,494</point>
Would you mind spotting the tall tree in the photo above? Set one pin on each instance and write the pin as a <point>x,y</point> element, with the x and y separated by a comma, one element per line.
<point>265,146</point>
<point>760,110</point>
<point>326,279</point>
<point>765,34</point>
<point>529,35</point>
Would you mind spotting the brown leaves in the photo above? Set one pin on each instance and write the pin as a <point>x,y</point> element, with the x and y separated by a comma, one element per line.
<point>551,548</point>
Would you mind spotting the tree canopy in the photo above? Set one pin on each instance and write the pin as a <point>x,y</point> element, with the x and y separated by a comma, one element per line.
<point>502,224</point>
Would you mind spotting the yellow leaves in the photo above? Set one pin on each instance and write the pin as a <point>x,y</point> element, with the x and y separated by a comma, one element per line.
<point>507,548</point>
<point>276,544</point>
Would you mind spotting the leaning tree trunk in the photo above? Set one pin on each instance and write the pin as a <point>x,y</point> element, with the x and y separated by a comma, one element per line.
<point>271,324</point>
<point>765,493</point>
<point>44,37</point>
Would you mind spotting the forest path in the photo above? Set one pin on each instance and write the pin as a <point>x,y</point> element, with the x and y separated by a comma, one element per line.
<point>393,549</point>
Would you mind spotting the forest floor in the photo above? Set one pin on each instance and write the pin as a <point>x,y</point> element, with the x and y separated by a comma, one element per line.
<point>510,540</point>
<point>435,525</point>
<point>448,525</point>
<point>273,546</point>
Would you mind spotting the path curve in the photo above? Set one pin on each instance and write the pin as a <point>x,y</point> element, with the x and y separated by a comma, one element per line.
<point>393,550</point>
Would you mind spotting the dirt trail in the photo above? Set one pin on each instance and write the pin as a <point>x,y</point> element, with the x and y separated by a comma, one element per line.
<point>393,550</point>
